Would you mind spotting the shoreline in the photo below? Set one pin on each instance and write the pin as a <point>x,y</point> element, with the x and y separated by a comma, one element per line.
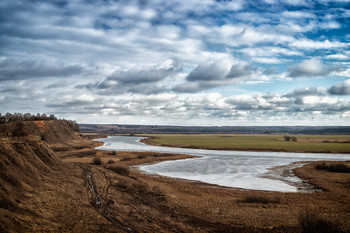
<point>203,206</point>
<point>281,172</point>
<point>148,141</point>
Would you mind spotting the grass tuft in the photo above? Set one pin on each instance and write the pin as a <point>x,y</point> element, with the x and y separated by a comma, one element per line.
<point>121,170</point>
<point>111,161</point>
<point>339,167</point>
<point>256,198</point>
<point>97,161</point>
<point>125,159</point>
<point>311,222</point>
<point>141,156</point>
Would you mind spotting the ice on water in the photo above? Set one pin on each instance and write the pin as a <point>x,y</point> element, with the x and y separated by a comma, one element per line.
<point>238,169</point>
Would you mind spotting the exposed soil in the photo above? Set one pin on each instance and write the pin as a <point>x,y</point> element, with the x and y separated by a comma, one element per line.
<point>63,191</point>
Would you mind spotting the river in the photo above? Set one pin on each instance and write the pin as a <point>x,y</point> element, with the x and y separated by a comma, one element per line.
<point>237,169</point>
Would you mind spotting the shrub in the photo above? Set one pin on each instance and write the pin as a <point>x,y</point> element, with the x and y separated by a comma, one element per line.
<point>121,184</point>
<point>112,153</point>
<point>132,187</point>
<point>141,156</point>
<point>125,159</point>
<point>339,167</point>
<point>121,170</point>
<point>157,193</point>
<point>97,161</point>
<point>19,130</point>
<point>261,199</point>
<point>311,222</point>
<point>111,161</point>
<point>287,138</point>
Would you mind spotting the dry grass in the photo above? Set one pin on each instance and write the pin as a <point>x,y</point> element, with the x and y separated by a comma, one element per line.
<point>338,167</point>
<point>110,161</point>
<point>311,222</point>
<point>48,195</point>
<point>124,159</point>
<point>97,161</point>
<point>121,170</point>
<point>304,143</point>
<point>261,199</point>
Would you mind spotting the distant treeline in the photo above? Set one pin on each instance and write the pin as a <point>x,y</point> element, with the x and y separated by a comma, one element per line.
<point>16,117</point>
<point>166,129</point>
<point>20,117</point>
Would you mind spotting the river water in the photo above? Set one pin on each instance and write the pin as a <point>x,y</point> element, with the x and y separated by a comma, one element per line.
<point>238,169</point>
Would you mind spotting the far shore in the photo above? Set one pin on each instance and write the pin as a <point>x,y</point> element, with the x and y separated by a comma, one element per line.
<point>149,141</point>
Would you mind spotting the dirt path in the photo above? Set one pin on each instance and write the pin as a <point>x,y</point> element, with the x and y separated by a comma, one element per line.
<point>106,185</point>
<point>100,201</point>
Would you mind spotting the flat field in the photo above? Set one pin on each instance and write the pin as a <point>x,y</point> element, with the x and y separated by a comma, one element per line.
<point>304,143</point>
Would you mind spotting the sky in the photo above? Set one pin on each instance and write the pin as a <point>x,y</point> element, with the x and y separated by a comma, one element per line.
<point>179,62</point>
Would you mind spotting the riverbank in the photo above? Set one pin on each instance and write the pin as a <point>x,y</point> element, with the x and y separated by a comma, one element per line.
<point>335,144</point>
<point>144,201</point>
<point>89,190</point>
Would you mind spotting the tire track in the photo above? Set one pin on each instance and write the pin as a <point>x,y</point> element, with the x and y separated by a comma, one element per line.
<point>98,202</point>
<point>106,186</point>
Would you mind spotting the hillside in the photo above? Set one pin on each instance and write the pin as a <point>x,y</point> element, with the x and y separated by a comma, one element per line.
<point>38,191</point>
<point>55,132</point>
<point>53,180</point>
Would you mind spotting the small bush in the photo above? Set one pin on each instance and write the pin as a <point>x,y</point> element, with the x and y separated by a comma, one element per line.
<point>157,193</point>
<point>141,156</point>
<point>97,161</point>
<point>311,222</point>
<point>125,159</point>
<point>121,170</point>
<point>121,185</point>
<point>132,187</point>
<point>112,153</point>
<point>261,199</point>
<point>19,130</point>
<point>339,167</point>
<point>111,161</point>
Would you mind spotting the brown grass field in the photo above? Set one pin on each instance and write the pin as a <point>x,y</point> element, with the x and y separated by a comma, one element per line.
<point>251,142</point>
<point>69,190</point>
<point>144,202</point>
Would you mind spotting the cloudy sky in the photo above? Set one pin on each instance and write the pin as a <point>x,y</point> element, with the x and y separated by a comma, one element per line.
<point>179,62</point>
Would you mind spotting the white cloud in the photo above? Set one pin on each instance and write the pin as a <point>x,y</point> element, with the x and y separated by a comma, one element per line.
<point>296,2</point>
<point>313,100</point>
<point>216,73</point>
<point>329,25</point>
<point>343,73</point>
<point>313,67</point>
<point>298,14</point>
<point>297,27</point>
<point>340,88</point>
<point>338,56</point>
<point>132,59</point>
<point>267,60</point>
<point>311,44</point>
<point>269,51</point>
<point>80,99</point>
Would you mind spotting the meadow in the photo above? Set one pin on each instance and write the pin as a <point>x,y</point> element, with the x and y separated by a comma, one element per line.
<point>304,143</point>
